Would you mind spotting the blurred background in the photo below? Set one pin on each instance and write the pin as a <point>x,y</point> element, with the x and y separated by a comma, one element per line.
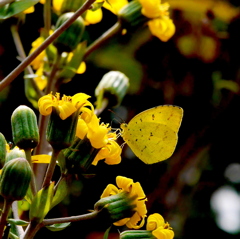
<point>197,190</point>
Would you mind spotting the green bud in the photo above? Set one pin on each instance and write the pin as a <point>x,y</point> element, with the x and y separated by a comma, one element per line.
<point>80,155</point>
<point>113,86</point>
<point>3,150</point>
<point>135,234</point>
<point>61,133</point>
<point>24,127</point>
<point>72,36</point>
<point>130,16</point>
<point>15,153</point>
<point>116,207</point>
<point>15,179</point>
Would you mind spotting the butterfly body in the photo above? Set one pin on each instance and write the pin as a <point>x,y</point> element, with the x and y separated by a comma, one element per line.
<point>152,134</point>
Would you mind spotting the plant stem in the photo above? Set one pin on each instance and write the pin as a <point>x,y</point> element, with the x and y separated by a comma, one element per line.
<point>52,77</point>
<point>21,53</point>
<point>51,167</point>
<point>9,78</point>
<point>44,146</point>
<point>32,183</point>
<point>47,17</point>
<point>87,216</point>
<point>20,230</point>
<point>32,229</point>
<point>3,219</point>
<point>115,29</point>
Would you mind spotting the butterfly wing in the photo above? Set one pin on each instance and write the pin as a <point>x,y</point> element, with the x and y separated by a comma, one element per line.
<point>152,134</point>
<point>151,142</point>
<point>169,115</point>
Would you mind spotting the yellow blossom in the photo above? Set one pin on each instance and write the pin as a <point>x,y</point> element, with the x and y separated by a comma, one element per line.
<point>111,152</point>
<point>57,4</point>
<point>134,190</point>
<point>65,106</point>
<point>100,138</point>
<point>159,228</point>
<point>93,17</point>
<point>154,8</point>
<point>163,28</point>
<point>115,5</point>
<point>40,79</point>
<point>39,60</point>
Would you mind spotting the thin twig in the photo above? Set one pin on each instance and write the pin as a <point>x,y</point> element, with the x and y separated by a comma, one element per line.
<point>87,216</point>
<point>115,29</point>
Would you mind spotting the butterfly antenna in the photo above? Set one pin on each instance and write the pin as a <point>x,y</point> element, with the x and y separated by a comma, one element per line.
<point>121,119</point>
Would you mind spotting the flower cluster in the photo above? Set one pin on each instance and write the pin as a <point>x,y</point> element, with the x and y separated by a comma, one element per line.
<point>88,124</point>
<point>135,191</point>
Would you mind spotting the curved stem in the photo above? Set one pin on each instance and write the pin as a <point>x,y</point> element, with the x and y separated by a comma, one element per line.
<point>8,79</point>
<point>51,167</point>
<point>115,29</point>
<point>83,217</point>
<point>3,219</point>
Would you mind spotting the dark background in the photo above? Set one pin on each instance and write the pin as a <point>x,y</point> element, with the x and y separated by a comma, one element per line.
<point>183,72</point>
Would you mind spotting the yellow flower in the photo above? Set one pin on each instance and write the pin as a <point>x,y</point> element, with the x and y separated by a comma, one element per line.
<point>57,4</point>
<point>111,152</point>
<point>100,138</point>
<point>163,28</point>
<point>39,60</point>
<point>134,190</point>
<point>161,25</point>
<point>93,17</point>
<point>115,5</point>
<point>40,79</point>
<point>159,228</point>
<point>154,8</point>
<point>65,106</point>
<point>159,22</point>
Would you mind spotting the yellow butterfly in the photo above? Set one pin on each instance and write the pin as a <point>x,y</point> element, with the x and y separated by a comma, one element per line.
<point>152,134</point>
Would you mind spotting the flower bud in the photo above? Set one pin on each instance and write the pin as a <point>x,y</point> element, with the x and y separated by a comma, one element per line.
<point>70,38</point>
<point>134,234</point>
<point>3,150</point>
<point>80,155</point>
<point>15,179</point>
<point>113,86</point>
<point>131,15</point>
<point>116,207</point>
<point>15,153</point>
<point>24,127</point>
<point>61,133</point>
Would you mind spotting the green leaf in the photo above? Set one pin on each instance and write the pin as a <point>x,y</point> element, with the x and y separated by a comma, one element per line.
<point>61,192</point>
<point>105,236</point>
<point>58,227</point>
<point>13,236</point>
<point>70,69</point>
<point>41,203</point>
<point>17,222</point>
<point>96,6</point>
<point>14,8</point>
